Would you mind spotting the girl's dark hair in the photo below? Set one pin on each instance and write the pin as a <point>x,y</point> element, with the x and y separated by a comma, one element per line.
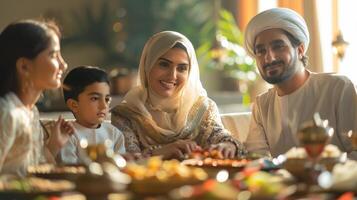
<point>26,39</point>
<point>79,78</point>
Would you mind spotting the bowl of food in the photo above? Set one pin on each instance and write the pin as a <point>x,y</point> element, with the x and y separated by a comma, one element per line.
<point>28,188</point>
<point>102,179</point>
<point>162,176</point>
<point>299,165</point>
<point>213,162</point>
<point>50,171</point>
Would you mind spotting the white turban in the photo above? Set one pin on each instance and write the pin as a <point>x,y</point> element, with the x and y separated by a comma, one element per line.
<point>281,18</point>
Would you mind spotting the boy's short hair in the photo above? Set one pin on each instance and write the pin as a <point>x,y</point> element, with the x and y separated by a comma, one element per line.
<point>81,77</point>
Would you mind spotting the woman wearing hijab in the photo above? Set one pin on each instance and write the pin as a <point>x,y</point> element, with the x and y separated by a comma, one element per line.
<point>168,113</point>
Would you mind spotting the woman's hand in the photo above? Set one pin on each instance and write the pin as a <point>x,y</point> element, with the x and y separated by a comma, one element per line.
<point>177,150</point>
<point>227,149</point>
<point>60,133</point>
<point>133,156</point>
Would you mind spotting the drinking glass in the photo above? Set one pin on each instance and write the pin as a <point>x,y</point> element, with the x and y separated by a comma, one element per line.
<point>314,137</point>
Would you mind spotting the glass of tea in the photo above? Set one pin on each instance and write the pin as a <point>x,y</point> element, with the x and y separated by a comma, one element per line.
<point>313,137</point>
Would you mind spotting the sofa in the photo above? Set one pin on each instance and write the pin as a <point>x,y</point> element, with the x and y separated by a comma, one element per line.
<point>237,124</point>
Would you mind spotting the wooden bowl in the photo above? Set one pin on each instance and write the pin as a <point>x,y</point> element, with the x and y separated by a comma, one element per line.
<point>299,167</point>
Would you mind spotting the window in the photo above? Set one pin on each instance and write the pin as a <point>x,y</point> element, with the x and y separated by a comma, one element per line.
<point>348,20</point>
<point>325,28</point>
<point>266,4</point>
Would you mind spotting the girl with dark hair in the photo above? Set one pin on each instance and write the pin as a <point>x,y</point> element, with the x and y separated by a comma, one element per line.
<point>30,62</point>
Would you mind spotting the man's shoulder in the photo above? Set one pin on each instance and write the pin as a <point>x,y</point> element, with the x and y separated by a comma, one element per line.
<point>266,95</point>
<point>264,100</point>
<point>330,78</point>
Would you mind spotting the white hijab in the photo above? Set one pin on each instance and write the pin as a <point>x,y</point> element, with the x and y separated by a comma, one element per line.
<point>167,115</point>
<point>281,18</point>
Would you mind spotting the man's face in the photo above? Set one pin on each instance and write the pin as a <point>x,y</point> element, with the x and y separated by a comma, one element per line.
<point>276,58</point>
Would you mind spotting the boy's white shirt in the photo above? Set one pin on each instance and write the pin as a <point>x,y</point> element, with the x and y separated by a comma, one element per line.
<point>70,152</point>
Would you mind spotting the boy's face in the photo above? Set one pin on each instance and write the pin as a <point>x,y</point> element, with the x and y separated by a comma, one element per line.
<point>92,106</point>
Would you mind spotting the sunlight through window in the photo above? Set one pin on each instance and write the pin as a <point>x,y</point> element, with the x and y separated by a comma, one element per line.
<point>266,4</point>
<point>348,21</point>
<point>325,29</point>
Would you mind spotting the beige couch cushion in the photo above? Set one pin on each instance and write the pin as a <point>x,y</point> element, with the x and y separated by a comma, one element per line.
<point>237,124</point>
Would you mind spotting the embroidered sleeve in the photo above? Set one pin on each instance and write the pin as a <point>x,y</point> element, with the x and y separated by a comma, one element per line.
<point>119,141</point>
<point>212,127</point>
<point>132,144</point>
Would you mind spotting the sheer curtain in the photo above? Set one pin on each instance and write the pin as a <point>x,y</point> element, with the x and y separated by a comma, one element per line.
<point>348,25</point>
<point>332,16</point>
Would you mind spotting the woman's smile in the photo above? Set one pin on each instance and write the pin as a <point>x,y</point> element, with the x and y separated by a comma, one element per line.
<point>170,73</point>
<point>168,84</point>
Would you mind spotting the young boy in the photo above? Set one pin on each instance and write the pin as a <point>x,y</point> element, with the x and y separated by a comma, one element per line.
<point>86,92</point>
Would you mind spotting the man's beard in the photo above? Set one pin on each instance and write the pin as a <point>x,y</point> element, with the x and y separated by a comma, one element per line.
<point>288,71</point>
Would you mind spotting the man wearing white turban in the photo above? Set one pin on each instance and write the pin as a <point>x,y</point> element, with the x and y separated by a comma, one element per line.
<point>278,39</point>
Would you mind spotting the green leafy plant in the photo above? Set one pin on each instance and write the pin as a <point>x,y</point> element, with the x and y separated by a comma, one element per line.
<point>229,56</point>
<point>221,49</point>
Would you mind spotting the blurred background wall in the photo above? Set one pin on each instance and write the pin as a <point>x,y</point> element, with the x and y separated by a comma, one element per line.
<point>111,34</point>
